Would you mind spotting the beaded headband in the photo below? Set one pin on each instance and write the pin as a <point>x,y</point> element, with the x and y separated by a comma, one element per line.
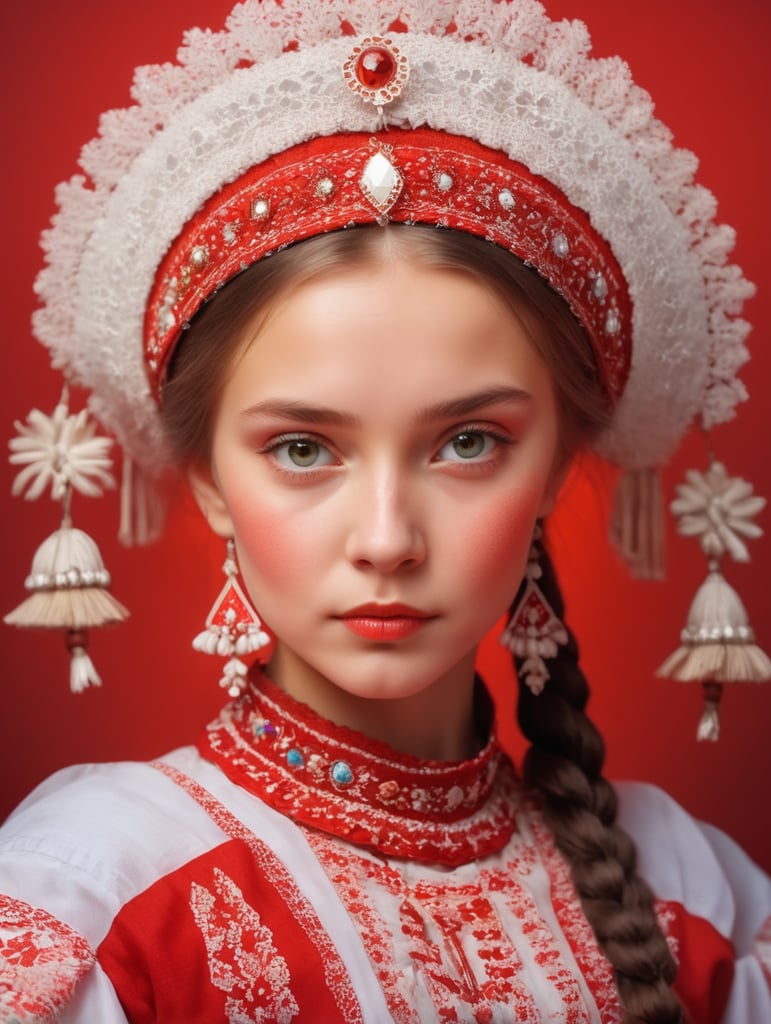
<point>419,176</point>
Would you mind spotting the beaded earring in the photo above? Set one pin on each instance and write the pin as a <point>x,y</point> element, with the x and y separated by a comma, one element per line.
<point>233,628</point>
<point>534,632</point>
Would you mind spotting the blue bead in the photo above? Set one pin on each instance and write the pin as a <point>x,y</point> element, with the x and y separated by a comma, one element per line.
<point>294,758</point>
<point>342,774</point>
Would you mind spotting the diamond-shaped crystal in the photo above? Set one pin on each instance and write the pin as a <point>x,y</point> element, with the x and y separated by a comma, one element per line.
<point>381,182</point>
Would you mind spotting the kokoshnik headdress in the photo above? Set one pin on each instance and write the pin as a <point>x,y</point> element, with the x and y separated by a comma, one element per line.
<point>487,117</point>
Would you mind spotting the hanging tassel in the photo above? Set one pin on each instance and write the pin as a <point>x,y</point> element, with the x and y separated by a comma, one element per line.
<point>82,671</point>
<point>637,523</point>
<point>534,632</point>
<point>142,509</point>
<point>709,723</point>
<point>68,589</point>
<point>718,644</point>
<point>233,629</point>
<point>68,582</point>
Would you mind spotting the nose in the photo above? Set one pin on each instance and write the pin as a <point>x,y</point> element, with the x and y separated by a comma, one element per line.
<point>386,532</point>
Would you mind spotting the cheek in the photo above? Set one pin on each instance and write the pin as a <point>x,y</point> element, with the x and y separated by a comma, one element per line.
<point>498,541</point>
<point>270,547</point>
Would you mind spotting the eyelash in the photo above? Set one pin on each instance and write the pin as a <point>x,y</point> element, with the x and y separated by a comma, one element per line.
<point>476,463</point>
<point>499,439</point>
<point>297,474</point>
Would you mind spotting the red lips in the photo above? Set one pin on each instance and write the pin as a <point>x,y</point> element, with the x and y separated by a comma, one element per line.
<point>385,623</point>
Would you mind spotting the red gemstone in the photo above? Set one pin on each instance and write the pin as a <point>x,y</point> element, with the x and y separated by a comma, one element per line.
<point>375,67</point>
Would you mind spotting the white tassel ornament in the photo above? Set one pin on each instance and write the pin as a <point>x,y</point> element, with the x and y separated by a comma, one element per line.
<point>718,645</point>
<point>68,581</point>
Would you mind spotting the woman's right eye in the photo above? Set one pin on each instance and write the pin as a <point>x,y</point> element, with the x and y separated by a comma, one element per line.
<point>300,453</point>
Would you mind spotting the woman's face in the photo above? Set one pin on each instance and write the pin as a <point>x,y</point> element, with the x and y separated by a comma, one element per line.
<point>384,444</point>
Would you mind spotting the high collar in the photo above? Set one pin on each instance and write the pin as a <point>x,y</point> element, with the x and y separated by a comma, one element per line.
<point>339,781</point>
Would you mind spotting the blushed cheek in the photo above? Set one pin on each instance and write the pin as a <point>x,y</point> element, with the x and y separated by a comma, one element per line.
<point>271,547</point>
<point>499,541</point>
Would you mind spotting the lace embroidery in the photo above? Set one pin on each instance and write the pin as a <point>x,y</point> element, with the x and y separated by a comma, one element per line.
<point>442,951</point>
<point>335,973</point>
<point>41,961</point>
<point>595,968</point>
<point>340,782</point>
<point>667,919</point>
<point>243,961</point>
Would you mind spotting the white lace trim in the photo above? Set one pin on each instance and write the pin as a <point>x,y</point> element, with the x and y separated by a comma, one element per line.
<point>235,98</point>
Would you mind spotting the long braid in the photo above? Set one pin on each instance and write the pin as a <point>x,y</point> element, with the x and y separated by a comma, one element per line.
<point>564,765</point>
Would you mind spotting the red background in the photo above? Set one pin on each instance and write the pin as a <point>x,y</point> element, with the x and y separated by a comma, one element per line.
<point>706,63</point>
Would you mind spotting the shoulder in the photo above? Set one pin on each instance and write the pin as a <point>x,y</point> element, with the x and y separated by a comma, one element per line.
<point>107,830</point>
<point>713,903</point>
<point>82,845</point>
<point>693,863</point>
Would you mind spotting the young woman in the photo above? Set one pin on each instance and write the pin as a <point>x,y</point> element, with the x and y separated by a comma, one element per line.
<point>378,419</point>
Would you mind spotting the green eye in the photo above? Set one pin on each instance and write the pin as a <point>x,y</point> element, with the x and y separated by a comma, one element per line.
<point>303,453</point>
<point>469,445</point>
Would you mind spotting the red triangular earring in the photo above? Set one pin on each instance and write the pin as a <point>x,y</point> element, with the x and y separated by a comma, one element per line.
<point>534,631</point>
<point>233,628</point>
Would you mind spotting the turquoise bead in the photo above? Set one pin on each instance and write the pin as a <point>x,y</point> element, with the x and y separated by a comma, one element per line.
<point>342,773</point>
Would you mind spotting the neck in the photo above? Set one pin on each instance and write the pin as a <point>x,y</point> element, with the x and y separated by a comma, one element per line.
<point>435,723</point>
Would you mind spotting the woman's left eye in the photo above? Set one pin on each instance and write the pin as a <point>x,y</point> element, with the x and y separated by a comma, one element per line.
<point>467,445</point>
<point>300,453</point>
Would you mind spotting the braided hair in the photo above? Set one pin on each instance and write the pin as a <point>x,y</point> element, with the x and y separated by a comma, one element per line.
<point>563,766</point>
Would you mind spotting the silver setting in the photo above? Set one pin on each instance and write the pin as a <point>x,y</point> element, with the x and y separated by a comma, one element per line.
<point>260,208</point>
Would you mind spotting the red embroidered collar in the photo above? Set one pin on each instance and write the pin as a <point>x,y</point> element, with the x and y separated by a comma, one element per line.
<point>339,781</point>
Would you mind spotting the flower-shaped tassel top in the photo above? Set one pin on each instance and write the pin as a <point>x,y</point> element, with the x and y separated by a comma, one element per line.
<point>717,645</point>
<point>68,582</point>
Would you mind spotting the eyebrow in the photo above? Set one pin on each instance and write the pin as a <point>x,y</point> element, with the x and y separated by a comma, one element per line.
<point>453,407</point>
<point>466,404</point>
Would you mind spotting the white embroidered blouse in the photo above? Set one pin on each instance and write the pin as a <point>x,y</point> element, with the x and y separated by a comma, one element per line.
<point>288,870</point>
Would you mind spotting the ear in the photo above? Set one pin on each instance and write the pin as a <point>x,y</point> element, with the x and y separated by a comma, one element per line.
<point>559,472</point>
<point>207,494</point>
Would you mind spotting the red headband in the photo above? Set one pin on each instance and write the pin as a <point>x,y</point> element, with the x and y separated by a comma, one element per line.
<point>428,177</point>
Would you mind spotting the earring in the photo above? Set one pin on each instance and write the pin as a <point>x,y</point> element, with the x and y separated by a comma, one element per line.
<point>534,632</point>
<point>233,628</point>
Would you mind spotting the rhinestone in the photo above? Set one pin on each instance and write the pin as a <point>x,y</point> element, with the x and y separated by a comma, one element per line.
<point>381,182</point>
<point>376,67</point>
<point>294,758</point>
<point>560,245</point>
<point>342,773</point>
<point>265,728</point>
<point>167,320</point>
<point>325,188</point>
<point>199,257</point>
<point>506,199</point>
<point>444,181</point>
<point>600,287</point>
<point>612,323</point>
<point>260,209</point>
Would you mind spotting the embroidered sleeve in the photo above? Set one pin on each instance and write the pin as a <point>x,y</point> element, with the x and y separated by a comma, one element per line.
<point>41,961</point>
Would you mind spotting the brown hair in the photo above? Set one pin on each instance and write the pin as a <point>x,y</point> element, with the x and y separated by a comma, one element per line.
<point>564,762</point>
<point>204,358</point>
